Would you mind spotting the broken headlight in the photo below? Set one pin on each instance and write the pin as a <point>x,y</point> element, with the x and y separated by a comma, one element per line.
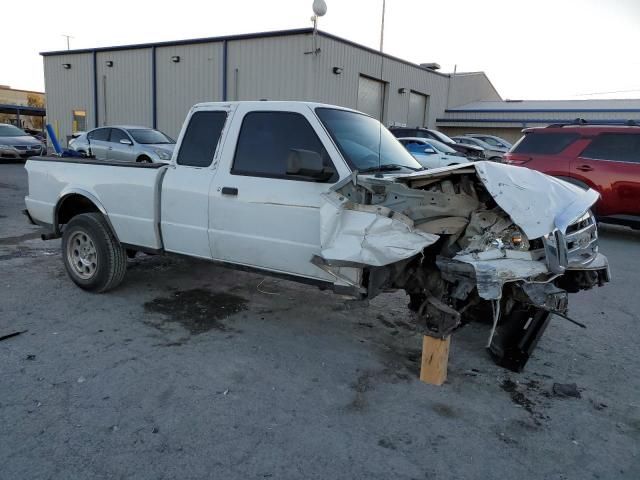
<point>514,239</point>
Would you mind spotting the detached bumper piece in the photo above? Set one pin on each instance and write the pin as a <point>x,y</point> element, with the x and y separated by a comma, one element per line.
<point>522,326</point>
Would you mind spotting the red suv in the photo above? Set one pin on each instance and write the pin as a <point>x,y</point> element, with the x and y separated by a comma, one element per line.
<point>603,157</point>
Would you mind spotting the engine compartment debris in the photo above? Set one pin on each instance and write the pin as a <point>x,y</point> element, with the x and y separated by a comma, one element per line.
<point>480,242</point>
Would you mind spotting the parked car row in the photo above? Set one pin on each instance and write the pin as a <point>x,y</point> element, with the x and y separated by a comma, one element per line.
<point>16,144</point>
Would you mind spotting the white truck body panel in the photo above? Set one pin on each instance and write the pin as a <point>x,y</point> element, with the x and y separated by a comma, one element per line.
<point>127,195</point>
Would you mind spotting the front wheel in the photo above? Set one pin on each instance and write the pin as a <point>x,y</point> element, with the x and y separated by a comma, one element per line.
<point>92,255</point>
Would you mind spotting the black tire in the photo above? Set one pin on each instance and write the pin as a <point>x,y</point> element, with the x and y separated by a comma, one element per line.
<point>92,255</point>
<point>143,159</point>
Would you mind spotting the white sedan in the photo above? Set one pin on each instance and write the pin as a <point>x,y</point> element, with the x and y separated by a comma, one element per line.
<point>432,153</point>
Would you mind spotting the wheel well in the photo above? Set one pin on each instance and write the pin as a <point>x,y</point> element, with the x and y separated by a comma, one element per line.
<point>143,156</point>
<point>73,205</point>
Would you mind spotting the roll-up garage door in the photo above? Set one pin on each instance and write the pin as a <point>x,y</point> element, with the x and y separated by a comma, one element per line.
<point>370,96</point>
<point>417,110</point>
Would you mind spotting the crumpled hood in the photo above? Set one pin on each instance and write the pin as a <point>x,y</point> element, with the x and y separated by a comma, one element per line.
<point>536,202</point>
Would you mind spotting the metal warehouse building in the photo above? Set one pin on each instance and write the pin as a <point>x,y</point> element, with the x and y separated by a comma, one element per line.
<point>156,84</point>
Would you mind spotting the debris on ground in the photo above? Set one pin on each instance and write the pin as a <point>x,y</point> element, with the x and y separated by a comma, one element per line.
<point>11,335</point>
<point>566,390</point>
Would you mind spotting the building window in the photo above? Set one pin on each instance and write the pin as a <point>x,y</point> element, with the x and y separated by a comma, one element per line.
<point>79,121</point>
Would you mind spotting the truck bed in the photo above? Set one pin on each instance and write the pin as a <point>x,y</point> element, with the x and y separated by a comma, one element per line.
<point>128,192</point>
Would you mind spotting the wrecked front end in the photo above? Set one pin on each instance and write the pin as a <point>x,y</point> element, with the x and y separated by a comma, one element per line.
<point>486,242</point>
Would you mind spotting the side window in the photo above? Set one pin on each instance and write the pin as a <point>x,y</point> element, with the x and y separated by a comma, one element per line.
<point>267,139</point>
<point>620,147</point>
<point>99,134</point>
<point>201,138</point>
<point>545,143</point>
<point>117,135</point>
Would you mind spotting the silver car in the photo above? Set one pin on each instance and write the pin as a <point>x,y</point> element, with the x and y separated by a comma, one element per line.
<point>498,143</point>
<point>125,143</point>
<point>490,153</point>
<point>16,144</point>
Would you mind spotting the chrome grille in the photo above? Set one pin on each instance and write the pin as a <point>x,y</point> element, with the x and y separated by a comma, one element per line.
<point>577,247</point>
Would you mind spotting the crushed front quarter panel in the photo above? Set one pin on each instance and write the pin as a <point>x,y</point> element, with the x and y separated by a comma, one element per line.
<point>366,234</point>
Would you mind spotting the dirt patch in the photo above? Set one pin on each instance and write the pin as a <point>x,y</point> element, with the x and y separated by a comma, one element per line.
<point>519,398</point>
<point>19,238</point>
<point>445,410</point>
<point>27,253</point>
<point>198,310</point>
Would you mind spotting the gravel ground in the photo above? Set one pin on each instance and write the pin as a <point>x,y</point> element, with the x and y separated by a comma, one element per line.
<point>193,371</point>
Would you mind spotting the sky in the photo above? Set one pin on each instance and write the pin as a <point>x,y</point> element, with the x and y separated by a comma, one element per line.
<point>533,49</point>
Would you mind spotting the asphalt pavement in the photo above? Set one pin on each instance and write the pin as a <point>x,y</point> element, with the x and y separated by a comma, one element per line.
<point>192,371</point>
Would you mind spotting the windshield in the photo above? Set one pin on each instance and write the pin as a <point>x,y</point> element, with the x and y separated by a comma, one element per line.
<point>441,147</point>
<point>364,142</point>
<point>495,143</point>
<point>147,136</point>
<point>11,131</point>
<point>442,137</point>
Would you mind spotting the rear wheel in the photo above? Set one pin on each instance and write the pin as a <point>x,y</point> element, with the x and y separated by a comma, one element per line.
<point>92,255</point>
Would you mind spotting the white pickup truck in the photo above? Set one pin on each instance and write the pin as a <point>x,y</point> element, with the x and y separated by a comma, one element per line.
<point>326,195</point>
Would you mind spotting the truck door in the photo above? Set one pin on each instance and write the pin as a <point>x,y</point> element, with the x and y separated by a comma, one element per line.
<point>261,216</point>
<point>185,188</point>
<point>611,165</point>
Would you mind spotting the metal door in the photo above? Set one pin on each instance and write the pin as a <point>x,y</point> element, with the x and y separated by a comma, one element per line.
<point>371,97</point>
<point>417,110</point>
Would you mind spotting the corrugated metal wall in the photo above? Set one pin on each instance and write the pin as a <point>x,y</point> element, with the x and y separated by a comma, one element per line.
<point>274,68</point>
<point>343,89</point>
<point>197,77</point>
<point>68,90</point>
<point>127,85</point>
<point>471,87</point>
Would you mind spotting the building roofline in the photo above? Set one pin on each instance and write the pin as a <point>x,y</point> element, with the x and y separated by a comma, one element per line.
<point>9,89</point>
<point>523,121</point>
<point>544,110</point>
<point>24,109</point>
<point>189,41</point>
<point>245,36</point>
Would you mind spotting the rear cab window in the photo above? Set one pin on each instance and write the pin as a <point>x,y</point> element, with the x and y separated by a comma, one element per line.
<point>547,143</point>
<point>201,138</point>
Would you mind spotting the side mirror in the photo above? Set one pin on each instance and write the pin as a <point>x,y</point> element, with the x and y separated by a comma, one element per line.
<point>429,151</point>
<point>126,141</point>
<point>307,163</point>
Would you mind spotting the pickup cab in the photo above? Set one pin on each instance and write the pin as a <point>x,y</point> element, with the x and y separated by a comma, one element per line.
<point>326,195</point>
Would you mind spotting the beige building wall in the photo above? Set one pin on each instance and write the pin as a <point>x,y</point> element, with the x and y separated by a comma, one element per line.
<point>27,98</point>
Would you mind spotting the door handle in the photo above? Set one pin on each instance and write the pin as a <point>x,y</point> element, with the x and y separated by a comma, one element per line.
<point>585,168</point>
<point>229,191</point>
